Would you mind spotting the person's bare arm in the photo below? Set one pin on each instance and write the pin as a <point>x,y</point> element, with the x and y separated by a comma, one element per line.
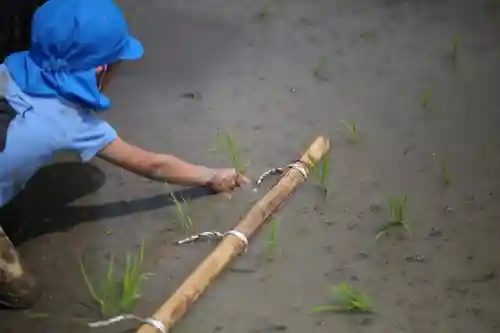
<point>159,167</point>
<point>170,169</point>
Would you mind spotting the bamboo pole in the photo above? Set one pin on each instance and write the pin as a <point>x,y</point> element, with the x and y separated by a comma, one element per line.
<point>199,280</point>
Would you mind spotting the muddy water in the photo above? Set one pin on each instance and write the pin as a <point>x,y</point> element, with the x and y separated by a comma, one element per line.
<point>254,78</point>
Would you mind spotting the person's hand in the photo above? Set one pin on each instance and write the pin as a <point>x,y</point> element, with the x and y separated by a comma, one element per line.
<point>226,180</point>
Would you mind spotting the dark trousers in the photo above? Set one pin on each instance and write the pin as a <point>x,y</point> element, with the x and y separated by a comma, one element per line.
<point>18,287</point>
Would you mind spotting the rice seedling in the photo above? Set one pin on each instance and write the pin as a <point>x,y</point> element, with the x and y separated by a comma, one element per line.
<point>231,152</point>
<point>397,209</point>
<point>272,241</point>
<point>351,130</point>
<point>345,298</point>
<point>265,10</point>
<point>445,174</point>
<point>38,315</point>
<point>117,294</point>
<point>106,293</point>
<point>427,99</point>
<point>132,279</point>
<point>320,69</point>
<point>455,50</point>
<point>321,174</point>
<point>369,35</point>
<point>182,217</point>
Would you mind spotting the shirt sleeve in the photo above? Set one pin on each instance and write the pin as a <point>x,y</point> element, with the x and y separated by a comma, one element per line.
<point>93,135</point>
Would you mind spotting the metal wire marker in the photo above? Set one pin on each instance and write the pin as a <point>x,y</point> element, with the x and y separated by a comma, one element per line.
<point>209,235</point>
<point>202,236</point>
<point>298,165</point>
<point>148,321</point>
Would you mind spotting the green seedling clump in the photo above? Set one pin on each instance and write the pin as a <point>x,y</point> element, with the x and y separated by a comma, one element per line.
<point>265,10</point>
<point>182,217</point>
<point>369,35</point>
<point>319,71</point>
<point>38,315</point>
<point>454,50</point>
<point>231,152</point>
<point>445,174</point>
<point>132,278</point>
<point>397,209</point>
<point>321,174</point>
<point>117,294</point>
<point>345,298</point>
<point>272,240</point>
<point>351,130</point>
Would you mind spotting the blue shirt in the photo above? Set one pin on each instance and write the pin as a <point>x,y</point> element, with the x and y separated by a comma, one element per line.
<point>43,127</point>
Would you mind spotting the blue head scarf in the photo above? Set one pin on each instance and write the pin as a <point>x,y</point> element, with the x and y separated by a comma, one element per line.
<point>69,39</point>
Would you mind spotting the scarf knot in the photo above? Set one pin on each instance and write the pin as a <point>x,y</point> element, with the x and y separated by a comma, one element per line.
<point>53,64</point>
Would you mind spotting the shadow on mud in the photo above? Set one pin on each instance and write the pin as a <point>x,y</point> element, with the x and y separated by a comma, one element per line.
<point>44,206</point>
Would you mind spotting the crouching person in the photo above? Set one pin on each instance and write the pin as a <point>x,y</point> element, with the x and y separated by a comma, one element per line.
<point>51,101</point>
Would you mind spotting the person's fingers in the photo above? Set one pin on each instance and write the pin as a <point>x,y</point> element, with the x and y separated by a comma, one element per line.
<point>230,179</point>
<point>225,187</point>
<point>227,180</point>
<point>242,180</point>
